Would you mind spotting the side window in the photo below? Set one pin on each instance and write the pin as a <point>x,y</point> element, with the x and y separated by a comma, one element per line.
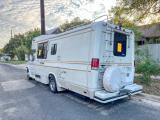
<point>42,50</point>
<point>120,44</point>
<point>45,50</point>
<point>54,49</point>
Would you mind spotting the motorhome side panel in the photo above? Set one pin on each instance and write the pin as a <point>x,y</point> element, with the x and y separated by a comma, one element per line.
<point>70,63</point>
<point>75,60</point>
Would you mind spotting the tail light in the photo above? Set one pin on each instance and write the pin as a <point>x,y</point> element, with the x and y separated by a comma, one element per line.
<point>95,63</point>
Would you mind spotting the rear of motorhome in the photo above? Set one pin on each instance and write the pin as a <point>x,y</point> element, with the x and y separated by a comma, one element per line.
<point>95,60</point>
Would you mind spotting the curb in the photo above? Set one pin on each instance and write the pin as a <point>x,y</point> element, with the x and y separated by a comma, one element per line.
<point>20,66</point>
<point>147,98</point>
<point>152,76</point>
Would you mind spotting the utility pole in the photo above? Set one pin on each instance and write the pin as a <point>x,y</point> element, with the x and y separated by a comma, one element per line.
<point>42,11</point>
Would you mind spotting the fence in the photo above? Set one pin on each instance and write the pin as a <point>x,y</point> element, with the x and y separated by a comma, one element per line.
<point>153,50</point>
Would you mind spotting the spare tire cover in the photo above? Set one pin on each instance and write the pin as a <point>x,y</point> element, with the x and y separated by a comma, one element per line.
<point>112,79</point>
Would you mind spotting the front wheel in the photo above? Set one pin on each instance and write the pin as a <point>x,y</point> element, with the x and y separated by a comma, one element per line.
<point>28,77</point>
<point>52,84</point>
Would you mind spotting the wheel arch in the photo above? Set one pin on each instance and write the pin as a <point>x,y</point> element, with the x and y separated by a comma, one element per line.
<point>53,75</point>
<point>59,87</point>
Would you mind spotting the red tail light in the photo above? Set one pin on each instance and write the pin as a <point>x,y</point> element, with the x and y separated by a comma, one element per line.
<point>95,64</point>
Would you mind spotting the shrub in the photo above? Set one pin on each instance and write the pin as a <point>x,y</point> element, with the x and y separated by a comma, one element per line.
<point>146,66</point>
<point>20,52</point>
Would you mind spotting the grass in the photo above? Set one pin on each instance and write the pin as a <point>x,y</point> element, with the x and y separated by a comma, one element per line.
<point>13,62</point>
<point>153,88</point>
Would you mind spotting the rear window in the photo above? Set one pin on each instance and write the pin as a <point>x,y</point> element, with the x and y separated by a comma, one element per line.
<point>120,43</point>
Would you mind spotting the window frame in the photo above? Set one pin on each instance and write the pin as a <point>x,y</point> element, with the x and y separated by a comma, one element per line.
<point>54,49</point>
<point>120,38</point>
<point>44,48</point>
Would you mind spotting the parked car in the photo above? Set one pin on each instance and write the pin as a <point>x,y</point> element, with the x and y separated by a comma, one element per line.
<point>5,57</point>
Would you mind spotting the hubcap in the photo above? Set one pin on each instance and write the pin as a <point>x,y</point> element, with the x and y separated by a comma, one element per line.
<point>52,86</point>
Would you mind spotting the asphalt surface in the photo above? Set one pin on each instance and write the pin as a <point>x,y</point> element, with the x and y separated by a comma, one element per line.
<point>21,99</point>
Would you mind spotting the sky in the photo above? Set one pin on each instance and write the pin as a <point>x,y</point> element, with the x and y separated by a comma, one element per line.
<point>23,15</point>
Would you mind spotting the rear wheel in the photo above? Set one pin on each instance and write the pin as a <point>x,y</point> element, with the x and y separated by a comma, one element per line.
<point>52,84</point>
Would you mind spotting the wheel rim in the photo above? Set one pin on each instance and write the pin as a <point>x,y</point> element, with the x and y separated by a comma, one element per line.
<point>52,86</point>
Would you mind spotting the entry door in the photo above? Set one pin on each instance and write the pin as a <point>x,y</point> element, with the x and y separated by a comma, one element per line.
<point>54,57</point>
<point>41,58</point>
<point>54,51</point>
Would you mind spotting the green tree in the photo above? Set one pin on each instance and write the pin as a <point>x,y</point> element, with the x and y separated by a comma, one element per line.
<point>126,23</point>
<point>145,65</point>
<point>120,15</point>
<point>20,52</point>
<point>20,44</point>
<point>28,38</point>
<point>1,50</point>
<point>75,22</point>
<point>138,10</point>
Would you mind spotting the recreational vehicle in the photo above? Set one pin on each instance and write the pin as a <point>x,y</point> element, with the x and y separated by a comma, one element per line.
<point>95,60</point>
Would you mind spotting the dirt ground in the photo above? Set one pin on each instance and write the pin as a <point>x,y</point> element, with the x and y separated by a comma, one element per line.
<point>153,88</point>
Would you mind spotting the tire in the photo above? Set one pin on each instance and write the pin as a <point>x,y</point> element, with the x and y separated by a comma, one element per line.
<point>52,84</point>
<point>28,77</point>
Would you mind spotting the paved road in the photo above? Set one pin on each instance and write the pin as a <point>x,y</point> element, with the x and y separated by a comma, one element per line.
<point>29,100</point>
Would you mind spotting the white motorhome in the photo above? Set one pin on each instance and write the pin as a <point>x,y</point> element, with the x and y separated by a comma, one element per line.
<point>95,60</point>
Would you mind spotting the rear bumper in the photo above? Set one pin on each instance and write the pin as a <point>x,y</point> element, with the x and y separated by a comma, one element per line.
<point>105,97</point>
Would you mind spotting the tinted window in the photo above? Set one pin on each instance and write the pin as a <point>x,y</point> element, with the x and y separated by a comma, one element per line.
<point>54,49</point>
<point>120,43</point>
<point>42,50</point>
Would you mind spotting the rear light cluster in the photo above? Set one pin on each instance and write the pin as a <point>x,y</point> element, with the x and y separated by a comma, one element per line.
<point>95,63</point>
